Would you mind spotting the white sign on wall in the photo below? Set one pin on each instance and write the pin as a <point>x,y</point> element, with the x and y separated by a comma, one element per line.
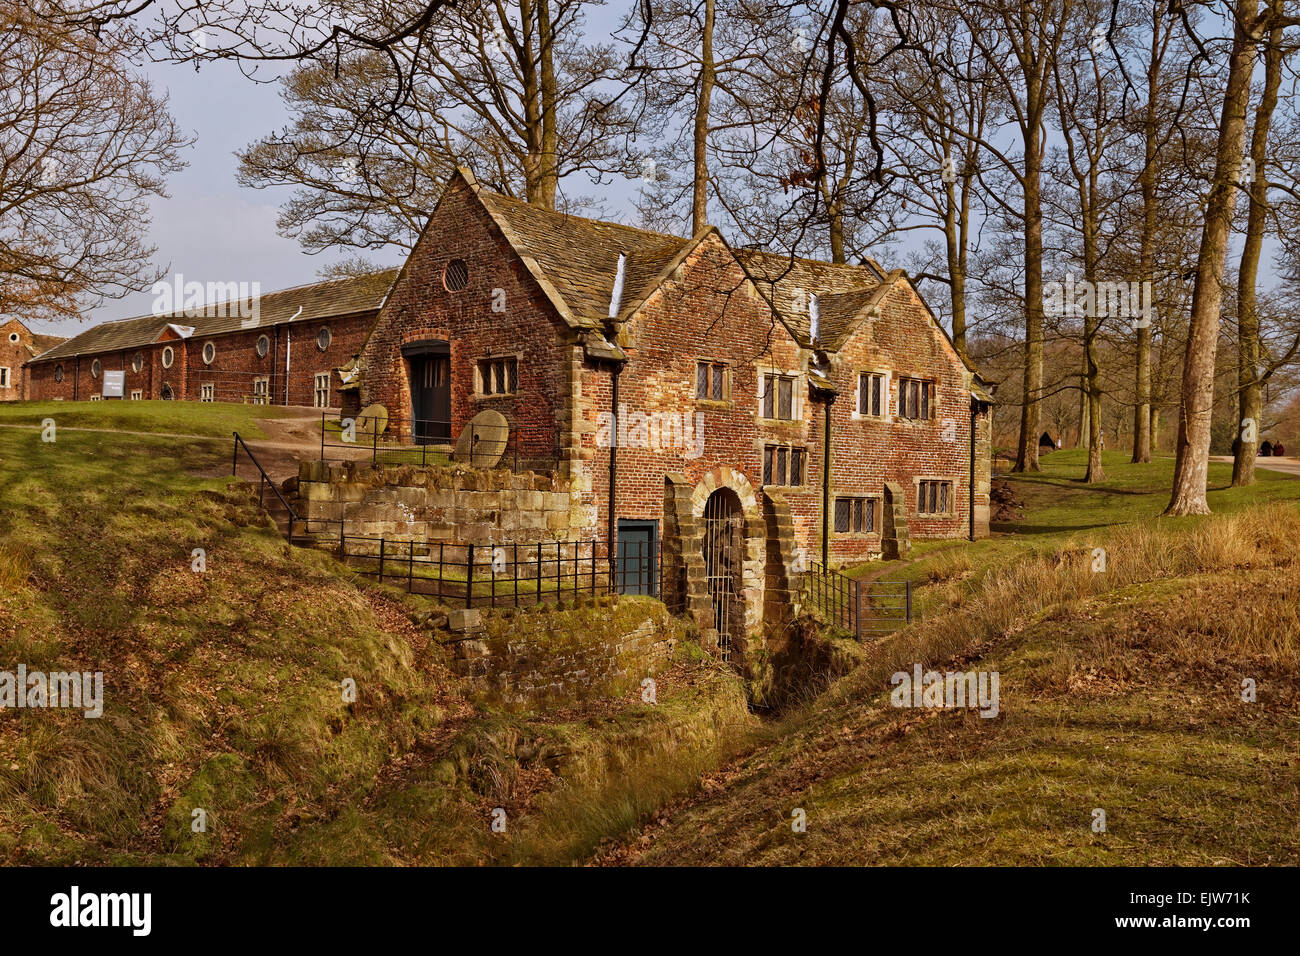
<point>114,383</point>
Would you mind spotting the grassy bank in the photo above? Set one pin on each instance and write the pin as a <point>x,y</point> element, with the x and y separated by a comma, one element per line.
<point>1120,690</point>
<point>215,419</point>
<point>223,692</point>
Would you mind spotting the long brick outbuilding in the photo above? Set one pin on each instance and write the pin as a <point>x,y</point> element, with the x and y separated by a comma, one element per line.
<point>288,351</point>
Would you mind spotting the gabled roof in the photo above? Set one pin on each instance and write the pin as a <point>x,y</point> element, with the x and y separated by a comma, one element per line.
<point>43,343</point>
<point>35,343</point>
<point>317,300</point>
<point>842,291</point>
<point>575,259</point>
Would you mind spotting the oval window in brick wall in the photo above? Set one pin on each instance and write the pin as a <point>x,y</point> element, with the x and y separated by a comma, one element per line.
<point>263,346</point>
<point>137,362</point>
<point>58,373</point>
<point>94,369</point>
<point>456,276</point>
<point>323,338</point>
<point>168,356</point>
<point>209,352</point>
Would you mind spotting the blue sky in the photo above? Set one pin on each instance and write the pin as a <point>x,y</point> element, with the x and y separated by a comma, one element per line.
<point>211,229</point>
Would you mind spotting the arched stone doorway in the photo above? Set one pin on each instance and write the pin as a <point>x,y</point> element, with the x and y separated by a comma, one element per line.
<point>723,546</point>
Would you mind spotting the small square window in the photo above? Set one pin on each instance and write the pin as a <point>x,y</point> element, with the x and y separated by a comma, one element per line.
<point>915,399</point>
<point>933,497</point>
<point>498,376</point>
<point>855,515</point>
<point>710,381</point>
<point>207,392</point>
<point>783,465</point>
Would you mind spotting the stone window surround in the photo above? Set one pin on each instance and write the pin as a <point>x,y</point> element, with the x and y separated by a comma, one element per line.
<point>877,517</point>
<point>726,400</point>
<point>885,391</point>
<point>796,396</point>
<point>479,394</point>
<point>952,496</point>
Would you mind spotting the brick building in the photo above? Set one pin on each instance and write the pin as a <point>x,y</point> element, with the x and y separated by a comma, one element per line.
<point>19,345</point>
<point>288,350</point>
<point>752,408</point>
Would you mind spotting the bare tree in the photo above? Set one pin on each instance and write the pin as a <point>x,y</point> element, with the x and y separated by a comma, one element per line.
<point>1249,380</point>
<point>1193,449</point>
<point>84,141</point>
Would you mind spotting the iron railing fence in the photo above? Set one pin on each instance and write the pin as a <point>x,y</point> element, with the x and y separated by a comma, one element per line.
<point>427,441</point>
<point>863,608</point>
<point>518,575</point>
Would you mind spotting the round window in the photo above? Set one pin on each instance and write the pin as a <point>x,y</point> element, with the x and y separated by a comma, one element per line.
<point>58,373</point>
<point>209,352</point>
<point>137,363</point>
<point>94,369</point>
<point>169,356</point>
<point>13,336</point>
<point>263,346</point>
<point>456,276</point>
<point>323,338</point>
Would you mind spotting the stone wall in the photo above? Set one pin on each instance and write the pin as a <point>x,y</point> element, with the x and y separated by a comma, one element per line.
<point>550,656</point>
<point>454,504</point>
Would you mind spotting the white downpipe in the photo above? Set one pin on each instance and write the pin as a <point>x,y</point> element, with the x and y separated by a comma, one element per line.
<point>288,348</point>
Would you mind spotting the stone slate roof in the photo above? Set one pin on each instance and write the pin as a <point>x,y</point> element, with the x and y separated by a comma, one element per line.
<point>578,257</point>
<point>575,259</point>
<point>319,300</point>
<point>43,343</point>
<point>843,290</point>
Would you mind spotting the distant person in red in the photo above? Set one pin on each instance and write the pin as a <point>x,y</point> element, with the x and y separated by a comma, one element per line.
<point>1278,450</point>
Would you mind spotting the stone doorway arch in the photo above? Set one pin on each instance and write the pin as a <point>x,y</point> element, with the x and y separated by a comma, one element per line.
<point>748,555</point>
<point>722,546</point>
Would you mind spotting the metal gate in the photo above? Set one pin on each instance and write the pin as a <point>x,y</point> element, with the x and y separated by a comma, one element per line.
<point>723,553</point>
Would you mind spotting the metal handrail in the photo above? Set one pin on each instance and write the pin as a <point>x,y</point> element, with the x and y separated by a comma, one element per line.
<point>266,479</point>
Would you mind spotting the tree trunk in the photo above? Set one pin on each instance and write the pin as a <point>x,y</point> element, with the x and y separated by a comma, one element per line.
<point>1085,429</point>
<point>1146,248</point>
<point>1193,451</point>
<point>549,179</point>
<point>1030,411</point>
<point>1250,404</point>
<point>835,224</point>
<point>956,219</point>
<point>708,76</point>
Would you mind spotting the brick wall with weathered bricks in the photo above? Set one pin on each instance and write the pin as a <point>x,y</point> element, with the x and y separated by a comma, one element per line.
<point>420,307</point>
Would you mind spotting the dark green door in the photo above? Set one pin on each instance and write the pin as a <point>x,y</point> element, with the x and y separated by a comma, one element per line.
<point>636,567</point>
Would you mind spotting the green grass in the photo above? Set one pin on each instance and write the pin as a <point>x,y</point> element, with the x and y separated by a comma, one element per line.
<point>223,690</point>
<point>215,419</point>
<point>1061,511</point>
<point>1120,690</point>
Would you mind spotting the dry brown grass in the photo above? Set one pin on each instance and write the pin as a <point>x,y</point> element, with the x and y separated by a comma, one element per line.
<point>15,566</point>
